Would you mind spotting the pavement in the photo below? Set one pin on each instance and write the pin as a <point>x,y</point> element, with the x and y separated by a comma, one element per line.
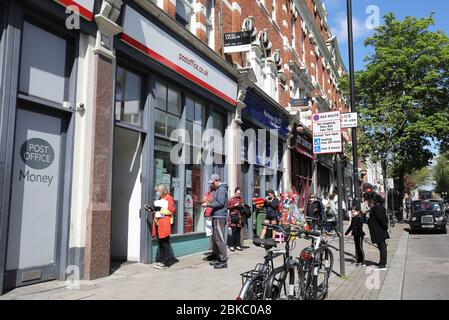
<point>193,279</point>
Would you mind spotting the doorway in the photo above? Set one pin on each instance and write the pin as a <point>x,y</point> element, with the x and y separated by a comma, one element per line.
<point>126,196</point>
<point>36,206</point>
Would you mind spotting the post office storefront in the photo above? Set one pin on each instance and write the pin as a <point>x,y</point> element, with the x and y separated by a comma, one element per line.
<point>164,85</point>
<point>38,68</point>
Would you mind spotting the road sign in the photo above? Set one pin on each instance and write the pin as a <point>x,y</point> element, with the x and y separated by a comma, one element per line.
<point>299,102</point>
<point>237,42</point>
<point>326,129</point>
<point>349,120</point>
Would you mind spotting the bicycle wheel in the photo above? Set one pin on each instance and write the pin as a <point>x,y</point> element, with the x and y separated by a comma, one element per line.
<point>300,285</point>
<point>325,264</point>
<point>275,283</point>
<point>252,289</point>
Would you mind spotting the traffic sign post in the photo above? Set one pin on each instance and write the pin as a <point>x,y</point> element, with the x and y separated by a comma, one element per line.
<point>349,120</point>
<point>327,138</point>
<point>327,133</point>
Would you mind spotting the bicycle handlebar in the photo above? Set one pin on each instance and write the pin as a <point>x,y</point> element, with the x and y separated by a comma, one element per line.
<point>287,231</point>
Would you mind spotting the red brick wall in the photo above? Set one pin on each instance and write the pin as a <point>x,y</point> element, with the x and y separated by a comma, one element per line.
<point>232,22</point>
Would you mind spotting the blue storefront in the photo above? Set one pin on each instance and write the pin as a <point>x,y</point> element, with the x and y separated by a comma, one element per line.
<point>264,141</point>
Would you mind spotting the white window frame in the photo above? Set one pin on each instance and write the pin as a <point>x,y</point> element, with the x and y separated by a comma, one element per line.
<point>192,23</point>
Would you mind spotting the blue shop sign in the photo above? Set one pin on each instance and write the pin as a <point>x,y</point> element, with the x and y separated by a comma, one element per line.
<point>269,118</point>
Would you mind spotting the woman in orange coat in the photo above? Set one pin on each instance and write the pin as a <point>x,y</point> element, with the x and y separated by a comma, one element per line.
<point>162,226</point>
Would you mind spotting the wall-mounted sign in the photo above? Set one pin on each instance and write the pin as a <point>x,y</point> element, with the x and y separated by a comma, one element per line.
<point>145,36</point>
<point>257,110</point>
<point>237,42</point>
<point>84,7</point>
<point>349,120</point>
<point>327,133</point>
<point>304,102</point>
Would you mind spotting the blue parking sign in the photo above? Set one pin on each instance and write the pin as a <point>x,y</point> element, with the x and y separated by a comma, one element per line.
<point>317,142</point>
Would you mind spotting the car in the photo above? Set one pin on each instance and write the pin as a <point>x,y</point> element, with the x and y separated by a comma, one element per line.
<point>428,215</point>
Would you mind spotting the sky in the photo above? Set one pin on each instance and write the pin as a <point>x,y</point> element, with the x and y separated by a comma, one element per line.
<point>364,16</point>
<point>401,8</point>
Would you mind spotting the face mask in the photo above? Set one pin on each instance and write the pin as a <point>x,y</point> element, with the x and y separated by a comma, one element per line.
<point>157,195</point>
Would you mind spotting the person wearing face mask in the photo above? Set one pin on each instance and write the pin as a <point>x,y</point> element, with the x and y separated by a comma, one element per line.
<point>271,206</point>
<point>162,221</point>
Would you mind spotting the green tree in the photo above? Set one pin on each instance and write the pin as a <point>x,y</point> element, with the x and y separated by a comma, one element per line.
<point>418,178</point>
<point>403,95</point>
<point>441,174</point>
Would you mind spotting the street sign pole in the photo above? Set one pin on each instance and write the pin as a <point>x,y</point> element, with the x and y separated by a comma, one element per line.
<point>355,160</point>
<point>340,215</point>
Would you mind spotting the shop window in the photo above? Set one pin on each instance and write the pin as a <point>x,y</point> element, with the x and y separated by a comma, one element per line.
<point>184,13</point>
<point>128,96</point>
<point>194,115</point>
<point>168,110</point>
<point>167,173</point>
<point>43,64</point>
<point>193,213</point>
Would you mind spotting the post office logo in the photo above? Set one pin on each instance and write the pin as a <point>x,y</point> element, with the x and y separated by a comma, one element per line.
<point>37,153</point>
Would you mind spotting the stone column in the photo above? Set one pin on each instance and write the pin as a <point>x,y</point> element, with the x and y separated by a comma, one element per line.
<point>98,224</point>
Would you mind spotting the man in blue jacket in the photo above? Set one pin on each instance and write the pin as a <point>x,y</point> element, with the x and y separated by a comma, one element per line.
<point>219,221</point>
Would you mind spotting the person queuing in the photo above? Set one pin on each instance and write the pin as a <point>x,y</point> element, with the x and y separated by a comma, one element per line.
<point>162,222</point>
<point>271,208</point>
<point>378,228</point>
<point>219,220</point>
<point>207,211</point>
<point>315,210</point>
<point>356,227</point>
<point>236,205</point>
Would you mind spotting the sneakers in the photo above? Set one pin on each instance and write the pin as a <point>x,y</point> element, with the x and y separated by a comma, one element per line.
<point>213,263</point>
<point>232,249</point>
<point>381,267</point>
<point>160,266</point>
<point>221,265</point>
<point>239,249</point>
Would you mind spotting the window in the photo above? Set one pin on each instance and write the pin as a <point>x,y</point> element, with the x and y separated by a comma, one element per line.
<point>128,96</point>
<point>184,12</point>
<point>273,10</point>
<point>167,173</point>
<point>293,32</point>
<point>210,22</point>
<point>168,110</point>
<point>43,64</point>
<point>303,48</point>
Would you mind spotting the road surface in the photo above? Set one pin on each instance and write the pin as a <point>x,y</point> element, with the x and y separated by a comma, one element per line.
<point>427,267</point>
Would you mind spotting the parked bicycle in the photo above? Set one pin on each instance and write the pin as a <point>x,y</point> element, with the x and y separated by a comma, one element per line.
<point>254,282</point>
<point>316,263</point>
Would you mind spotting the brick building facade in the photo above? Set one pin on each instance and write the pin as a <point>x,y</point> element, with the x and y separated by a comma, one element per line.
<point>90,123</point>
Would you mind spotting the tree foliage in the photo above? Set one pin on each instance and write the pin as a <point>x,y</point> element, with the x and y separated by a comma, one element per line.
<point>403,94</point>
<point>441,174</point>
